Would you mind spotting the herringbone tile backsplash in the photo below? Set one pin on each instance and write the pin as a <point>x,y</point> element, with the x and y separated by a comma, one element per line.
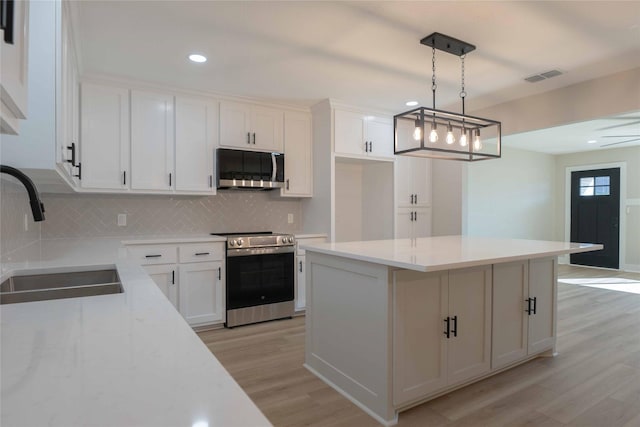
<point>91,215</point>
<point>14,205</point>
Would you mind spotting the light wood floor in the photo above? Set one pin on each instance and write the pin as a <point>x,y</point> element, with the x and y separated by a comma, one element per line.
<point>594,380</point>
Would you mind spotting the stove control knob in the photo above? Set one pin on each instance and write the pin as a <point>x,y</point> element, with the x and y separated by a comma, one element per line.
<point>239,242</point>
<point>290,239</point>
<point>232,242</point>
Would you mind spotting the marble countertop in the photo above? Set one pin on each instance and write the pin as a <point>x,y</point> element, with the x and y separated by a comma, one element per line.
<point>447,252</point>
<point>113,360</point>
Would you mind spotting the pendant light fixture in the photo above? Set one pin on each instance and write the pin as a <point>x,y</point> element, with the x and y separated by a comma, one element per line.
<point>417,131</point>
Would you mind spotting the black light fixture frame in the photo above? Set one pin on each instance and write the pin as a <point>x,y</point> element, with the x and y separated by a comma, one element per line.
<point>425,116</point>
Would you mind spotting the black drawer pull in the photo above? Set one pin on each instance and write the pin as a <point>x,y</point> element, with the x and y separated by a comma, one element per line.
<point>219,273</point>
<point>300,266</point>
<point>202,253</point>
<point>153,256</point>
<point>447,329</point>
<point>454,330</point>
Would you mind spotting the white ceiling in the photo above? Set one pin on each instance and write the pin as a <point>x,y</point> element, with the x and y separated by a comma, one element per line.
<point>363,53</point>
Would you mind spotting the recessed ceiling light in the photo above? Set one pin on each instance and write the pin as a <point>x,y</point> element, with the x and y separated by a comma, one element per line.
<point>411,103</point>
<point>591,141</point>
<point>196,57</point>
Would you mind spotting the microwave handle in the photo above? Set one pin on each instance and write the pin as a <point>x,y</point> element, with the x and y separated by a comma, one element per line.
<point>274,167</point>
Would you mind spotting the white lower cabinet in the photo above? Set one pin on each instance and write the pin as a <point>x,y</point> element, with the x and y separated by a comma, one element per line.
<point>201,292</point>
<point>441,330</point>
<point>524,299</point>
<point>164,275</point>
<point>301,279</point>
<point>191,275</point>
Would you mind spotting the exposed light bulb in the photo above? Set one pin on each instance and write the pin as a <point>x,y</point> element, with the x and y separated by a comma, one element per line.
<point>417,133</point>
<point>477,143</point>
<point>195,57</point>
<point>463,138</point>
<point>450,138</point>
<point>433,135</point>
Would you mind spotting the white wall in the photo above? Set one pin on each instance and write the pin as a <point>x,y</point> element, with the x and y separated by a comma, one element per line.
<point>448,197</point>
<point>511,197</point>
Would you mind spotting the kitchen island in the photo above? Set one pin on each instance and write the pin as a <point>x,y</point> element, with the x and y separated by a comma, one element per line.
<point>126,359</point>
<point>393,323</point>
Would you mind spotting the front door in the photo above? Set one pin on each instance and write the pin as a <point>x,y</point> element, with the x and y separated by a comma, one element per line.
<point>595,215</point>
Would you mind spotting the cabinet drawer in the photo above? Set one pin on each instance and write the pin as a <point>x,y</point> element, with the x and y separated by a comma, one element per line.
<point>153,254</point>
<point>309,241</point>
<point>201,252</point>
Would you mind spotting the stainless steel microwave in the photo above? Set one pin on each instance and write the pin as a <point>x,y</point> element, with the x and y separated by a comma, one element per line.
<point>251,170</point>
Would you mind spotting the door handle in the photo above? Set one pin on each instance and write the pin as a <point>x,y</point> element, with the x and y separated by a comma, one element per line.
<point>254,138</point>
<point>210,181</point>
<point>169,179</point>
<point>528,309</point>
<point>248,137</point>
<point>454,330</point>
<point>219,273</point>
<point>153,256</point>
<point>300,266</point>
<point>72,148</point>
<point>202,253</point>
<point>447,325</point>
<point>124,178</point>
<point>287,183</point>
<point>173,277</point>
<point>535,304</point>
<point>79,176</point>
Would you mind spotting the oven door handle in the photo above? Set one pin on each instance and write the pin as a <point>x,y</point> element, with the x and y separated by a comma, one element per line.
<point>260,251</point>
<point>274,167</point>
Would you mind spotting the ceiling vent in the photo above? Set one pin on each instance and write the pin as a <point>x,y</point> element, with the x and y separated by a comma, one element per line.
<point>542,76</point>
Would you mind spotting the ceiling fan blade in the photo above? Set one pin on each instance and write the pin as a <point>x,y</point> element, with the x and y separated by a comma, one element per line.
<point>621,136</point>
<point>620,126</point>
<point>621,142</point>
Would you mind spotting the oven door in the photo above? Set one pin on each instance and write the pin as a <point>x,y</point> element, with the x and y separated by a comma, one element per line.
<point>256,279</point>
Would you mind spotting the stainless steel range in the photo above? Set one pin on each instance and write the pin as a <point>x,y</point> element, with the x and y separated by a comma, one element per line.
<point>260,277</point>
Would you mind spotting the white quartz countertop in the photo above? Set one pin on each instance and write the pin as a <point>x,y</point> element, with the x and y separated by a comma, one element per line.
<point>447,252</point>
<point>127,359</point>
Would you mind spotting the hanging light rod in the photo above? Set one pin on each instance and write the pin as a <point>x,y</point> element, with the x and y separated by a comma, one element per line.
<point>464,137</point>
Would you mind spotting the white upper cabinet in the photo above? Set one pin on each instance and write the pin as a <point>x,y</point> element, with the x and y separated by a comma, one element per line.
<point>13,68</point>
<point>104,134</point>
<point>413,181</point>
<point>251,127</point>
<point>359,134</point>
<point>152,141</point>
<point>297,155</point>
<point>196,141</point>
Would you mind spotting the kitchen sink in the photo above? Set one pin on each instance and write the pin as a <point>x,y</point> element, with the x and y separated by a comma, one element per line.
<point>41,287</point>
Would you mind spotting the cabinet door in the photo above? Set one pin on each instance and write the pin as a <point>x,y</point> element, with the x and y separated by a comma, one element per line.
<point>266,129</point>
<point>152,141</point>
<point>349,132</point>
<point>301,283</point>
<point>234,125</point>
<point>104,136</point>
<point>421,180</point>
<point>419,344</point>
<point>202,292</point>
<point>13,68</point>
<point>67,103</point>
<point>470,311</point>
<point>421,222</point>
<point>196,139</point>
<point>404,181</point>
<point>165,277</point>
<point>510,323</point>
<point>379,134</point>
<point>297,151</point>
<point>542,286</point>
<point>404,223</point>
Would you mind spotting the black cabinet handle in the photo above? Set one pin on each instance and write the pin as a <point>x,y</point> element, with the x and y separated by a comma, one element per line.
<point>210,181</point>
<point>79,176</point>
<point>415,198</point>
<point>415,216</point>
<point>219,273</point>
<point>535,304</point>
<point>287,184</point>
<point>446,331</point>
<point>72,148</point>
<point>254,138</point>
<point>528,309</point>
<point>371,146</point>
<point>248,137</point>
<point>153,256</point>
<point>202,253</point>
<point>124,178</point>
<point>454,330</point>
<point>173,277</point>
<point>169,179</point>
<point>300,266</point>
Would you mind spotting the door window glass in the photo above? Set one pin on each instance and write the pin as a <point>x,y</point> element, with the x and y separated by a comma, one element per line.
<point>594,186</point>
